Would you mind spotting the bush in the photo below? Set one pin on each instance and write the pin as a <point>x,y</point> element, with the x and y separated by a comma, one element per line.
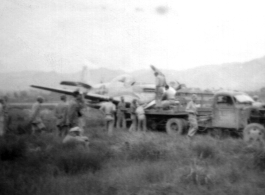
<point>12,148</point>
<point>259,160</point>
<point>197,175</point>
<point>145,151</point>
<point>204,150</point>
<point>78,161</point>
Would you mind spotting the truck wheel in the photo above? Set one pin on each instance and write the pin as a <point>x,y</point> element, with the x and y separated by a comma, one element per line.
<point>254,133</point>
<point>174,126</point>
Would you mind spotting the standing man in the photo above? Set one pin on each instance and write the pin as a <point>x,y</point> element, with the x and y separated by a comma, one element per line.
<point>61,116</point>
<point>192,111</point>
<point>133,107</point>
<point>37,125</point>
<point>160,85</point>
<point>108,109</point>
<point>121,108</point>
<point>140,113</point>
<point>75,111</point>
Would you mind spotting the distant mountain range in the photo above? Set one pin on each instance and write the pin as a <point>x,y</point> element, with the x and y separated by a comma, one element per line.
<point>240,76</point>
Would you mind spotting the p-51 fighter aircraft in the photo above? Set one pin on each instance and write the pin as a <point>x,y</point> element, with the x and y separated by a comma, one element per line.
<point>123,85</point>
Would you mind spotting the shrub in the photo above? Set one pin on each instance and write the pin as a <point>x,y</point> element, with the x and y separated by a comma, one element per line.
<point>204,150</point>
<point>197,175</point>
<point>12,148</point>
<point>78,161</point>
<point>145,151</point>
<point>74,158</point>
<point>259,160</point>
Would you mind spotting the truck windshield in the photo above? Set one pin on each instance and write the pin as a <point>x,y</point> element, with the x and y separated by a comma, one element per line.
<point>243,99</point>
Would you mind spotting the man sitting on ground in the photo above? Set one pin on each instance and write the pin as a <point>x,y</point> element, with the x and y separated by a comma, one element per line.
<point>74,136</point>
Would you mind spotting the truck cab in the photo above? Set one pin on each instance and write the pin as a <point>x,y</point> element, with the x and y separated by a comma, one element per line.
<point>231,110</point>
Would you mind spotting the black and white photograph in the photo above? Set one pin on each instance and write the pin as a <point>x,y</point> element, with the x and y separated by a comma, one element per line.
<point>132,97</point>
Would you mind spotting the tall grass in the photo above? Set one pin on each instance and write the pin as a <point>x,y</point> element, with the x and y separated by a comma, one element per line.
<point>129,163</point>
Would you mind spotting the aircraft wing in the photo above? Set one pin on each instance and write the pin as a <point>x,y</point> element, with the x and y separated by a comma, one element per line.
<point>89,96</point>
<point>63,91</point>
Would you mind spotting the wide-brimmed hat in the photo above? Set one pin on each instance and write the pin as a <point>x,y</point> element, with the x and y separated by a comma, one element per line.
<point>75,129</point>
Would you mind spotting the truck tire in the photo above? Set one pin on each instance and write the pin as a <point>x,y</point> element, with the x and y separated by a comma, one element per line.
<point>174,126</point>
<point>254,133</point>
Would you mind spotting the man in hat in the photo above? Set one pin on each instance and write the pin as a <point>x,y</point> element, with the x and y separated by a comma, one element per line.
<point>74,137</point>
<point>108,109</point>
<point>121,108</point>
<point>256,102</point>
<point>160,82</point>
<point>140,113</point>
<point>61,116</point>
<point>37,125</point>
<point>192,111</point>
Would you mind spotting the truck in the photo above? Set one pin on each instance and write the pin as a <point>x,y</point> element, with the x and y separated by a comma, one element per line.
<point>223,112</point>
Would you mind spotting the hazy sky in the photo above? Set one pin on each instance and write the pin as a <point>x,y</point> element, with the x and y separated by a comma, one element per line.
<point>64,35</point>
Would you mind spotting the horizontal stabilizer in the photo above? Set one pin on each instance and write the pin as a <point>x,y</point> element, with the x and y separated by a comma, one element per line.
<point>73,83</point>
<point>148,90</point>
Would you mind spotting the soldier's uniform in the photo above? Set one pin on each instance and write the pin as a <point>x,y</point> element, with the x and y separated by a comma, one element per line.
<point>133,107</point>
<point>192,110</point>
<point>36,121</point>
<point>74,136</point>
<point>61,118</point>
<point>121,108</point>
<point>108,108</point>
<point>75,113</point>
<point>160,86</point>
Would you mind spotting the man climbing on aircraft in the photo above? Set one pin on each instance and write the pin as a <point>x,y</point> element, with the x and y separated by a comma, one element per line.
<point>160,82</point>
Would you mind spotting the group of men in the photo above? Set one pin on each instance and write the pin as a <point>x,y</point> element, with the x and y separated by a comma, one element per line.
<point>136,111</point>
<point>68,114</point>
<point>69,118</point>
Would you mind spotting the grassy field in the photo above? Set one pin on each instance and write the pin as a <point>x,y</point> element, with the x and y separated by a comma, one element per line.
<point>127,163</point>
